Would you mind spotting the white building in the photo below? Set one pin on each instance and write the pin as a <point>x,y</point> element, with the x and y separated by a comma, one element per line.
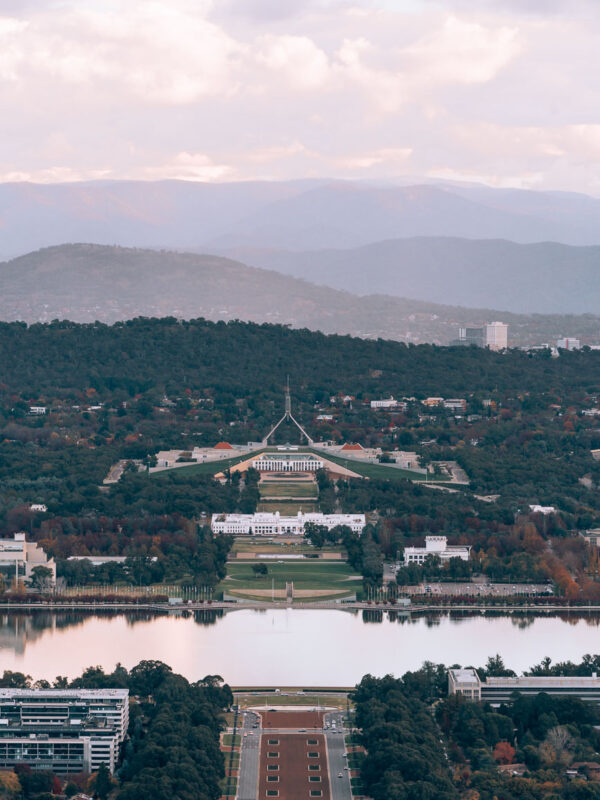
<point>568,343</point>
<point>389,403</point>
<point>405,459</point>
<point>465,682</point>
<point>456,404</point>
<point>273,524</point>
<point>542,510</point>
<point>18,558</point>
<point>64,730</point>
<point>436,546</point>
<point>496,335</point>
<point>37,411</point>
<point>287,462</point>
<point>592,536</point>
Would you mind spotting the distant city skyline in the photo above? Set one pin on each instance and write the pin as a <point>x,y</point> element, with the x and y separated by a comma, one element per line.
<point>491,91</point>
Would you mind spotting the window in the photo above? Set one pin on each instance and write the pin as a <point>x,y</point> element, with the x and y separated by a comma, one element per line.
<point>315,793</point>
<point>313,754</point>
<point>312,741</point>
<point>272,793</point>
<point>272,778</point>
<point>272,767</point>
<point>314,767</point>
<point>314,778</point>
<point>273,755</point>
<point>273,741</point>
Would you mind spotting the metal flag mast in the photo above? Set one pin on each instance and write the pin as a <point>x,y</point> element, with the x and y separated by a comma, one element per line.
<point>288,416</point>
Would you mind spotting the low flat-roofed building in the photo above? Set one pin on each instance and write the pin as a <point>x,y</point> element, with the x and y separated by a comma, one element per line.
<point>18,557</point>
<point>65,730</point>
<point>465,682</point>
<point>436,546</point>
<point>537,509</point>
<point>456,404</point>
<point>498,690</point>
<point>264,523</point>
<point>592,536</point>
<point>386,403</point>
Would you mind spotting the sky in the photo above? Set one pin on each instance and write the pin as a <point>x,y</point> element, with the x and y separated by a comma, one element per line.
<point>503,92</point>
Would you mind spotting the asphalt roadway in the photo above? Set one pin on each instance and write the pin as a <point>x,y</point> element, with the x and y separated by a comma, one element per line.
<point>339,787</point>
<point>248,774</point>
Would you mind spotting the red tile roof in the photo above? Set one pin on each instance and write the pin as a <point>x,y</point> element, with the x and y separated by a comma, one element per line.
<point>352,447</point>
<point>223,446</point>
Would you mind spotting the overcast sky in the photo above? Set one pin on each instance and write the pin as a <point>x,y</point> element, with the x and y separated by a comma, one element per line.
<point>506,92</point>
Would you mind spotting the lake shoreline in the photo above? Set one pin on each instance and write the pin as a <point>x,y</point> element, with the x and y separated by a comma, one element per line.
<point>415,608</point>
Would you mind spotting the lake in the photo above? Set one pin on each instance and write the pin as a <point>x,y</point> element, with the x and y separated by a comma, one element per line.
<point>292,647</point>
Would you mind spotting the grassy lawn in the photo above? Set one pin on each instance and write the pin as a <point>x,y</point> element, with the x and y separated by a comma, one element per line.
<point>313,575</point>
<point>300,489</point>
<point>230,740</point>
<point>287,507</point>
<point>232,787</point>
<point>333,701</point>
<point>355,760</point>
<point>382,471</point>
<point>207,468</point>
<point>264,545</point>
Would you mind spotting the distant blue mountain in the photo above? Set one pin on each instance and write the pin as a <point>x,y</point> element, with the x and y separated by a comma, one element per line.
<point>293,215</point>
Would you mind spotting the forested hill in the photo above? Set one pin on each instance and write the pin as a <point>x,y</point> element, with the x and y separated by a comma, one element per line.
<point>88,282</point>
<point>546,277</point>
<point>242,359</point>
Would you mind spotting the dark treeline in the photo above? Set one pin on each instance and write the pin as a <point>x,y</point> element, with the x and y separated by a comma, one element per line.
<point>238,357</point>
<point>172,750</point>
<point>362,551</point>
<point>534,748</point>
<point>551,742</point>
<point>404,757</point>
<point>197,555</point>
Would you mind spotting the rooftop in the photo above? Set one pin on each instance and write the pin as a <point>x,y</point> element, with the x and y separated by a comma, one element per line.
<point>549,681</point>
<point>465,675</point>
<point>59,694</point>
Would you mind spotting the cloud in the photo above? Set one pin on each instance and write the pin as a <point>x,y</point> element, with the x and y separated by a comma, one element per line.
<point>386,88</point>
<point>238,89</point>
<point>391,157</point>
<point>189,167</point>
<point>295,58</point>
<point>157,52</point>
<point>462,51</point>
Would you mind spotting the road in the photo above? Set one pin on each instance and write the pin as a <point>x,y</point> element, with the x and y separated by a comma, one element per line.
<point>248,775</point>
<point>336,748</point>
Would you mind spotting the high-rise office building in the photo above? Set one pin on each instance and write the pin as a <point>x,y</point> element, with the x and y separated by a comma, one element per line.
<point>493,335</point>
<point>496,335</point>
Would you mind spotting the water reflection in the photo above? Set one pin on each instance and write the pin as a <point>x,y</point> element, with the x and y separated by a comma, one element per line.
<point>286,646</point>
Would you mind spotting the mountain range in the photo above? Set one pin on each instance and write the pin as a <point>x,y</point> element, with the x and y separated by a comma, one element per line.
<point>546,277</point>
<point>85,283</point>
<point>290,215</point>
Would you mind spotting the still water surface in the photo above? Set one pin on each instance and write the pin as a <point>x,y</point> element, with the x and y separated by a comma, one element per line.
<point>287,646</point>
